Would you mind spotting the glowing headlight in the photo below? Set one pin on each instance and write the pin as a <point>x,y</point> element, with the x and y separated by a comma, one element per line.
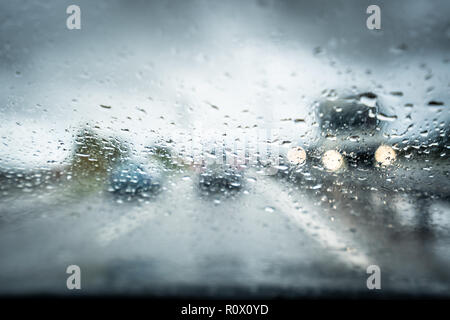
<point>332,160</point>
<point>385,155</point>
<point>297,156</point>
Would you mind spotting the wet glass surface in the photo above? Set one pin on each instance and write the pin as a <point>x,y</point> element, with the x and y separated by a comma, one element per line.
<point>238,148</point>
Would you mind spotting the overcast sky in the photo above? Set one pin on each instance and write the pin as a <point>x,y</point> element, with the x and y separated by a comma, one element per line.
<point>163,65</point>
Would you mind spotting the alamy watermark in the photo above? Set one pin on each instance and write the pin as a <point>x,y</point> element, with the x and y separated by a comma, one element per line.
<point>374,20</point>
<point>257,148</point>
<point>374,280</point>
<point>74,19</point>
<point>74,280</point>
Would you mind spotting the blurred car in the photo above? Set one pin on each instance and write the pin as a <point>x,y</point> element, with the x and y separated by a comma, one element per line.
<point>350,137</point>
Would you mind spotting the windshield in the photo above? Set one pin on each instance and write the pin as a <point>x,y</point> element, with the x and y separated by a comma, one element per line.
<point>195,148</point>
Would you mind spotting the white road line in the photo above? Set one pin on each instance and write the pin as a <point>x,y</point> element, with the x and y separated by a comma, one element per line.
<point>125,224</point>
<point>317,226</point>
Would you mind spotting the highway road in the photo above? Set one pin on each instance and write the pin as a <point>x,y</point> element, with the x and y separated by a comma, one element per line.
<point>275,236</point>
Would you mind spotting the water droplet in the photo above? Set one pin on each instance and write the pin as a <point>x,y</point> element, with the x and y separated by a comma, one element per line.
<point>384,117</point>
<point>435,103</point>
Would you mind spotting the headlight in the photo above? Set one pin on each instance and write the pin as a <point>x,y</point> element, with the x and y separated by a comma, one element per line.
<point>297,156</point>
<point>385,155</point>
<point>332,160</point>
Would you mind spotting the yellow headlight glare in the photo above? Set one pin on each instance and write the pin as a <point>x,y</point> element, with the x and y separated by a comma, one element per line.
<point>385,155</point>
<point>332,160</point>
<point>297,156</point>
